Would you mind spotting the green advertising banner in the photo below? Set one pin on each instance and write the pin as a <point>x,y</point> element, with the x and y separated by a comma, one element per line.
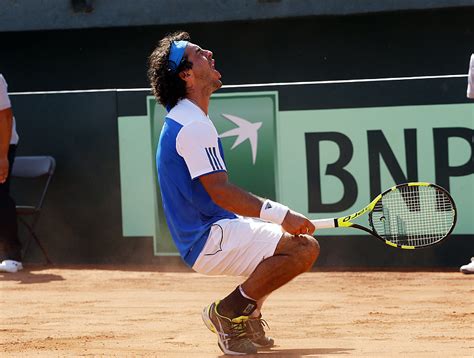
<point>322,163</point>
<point>334,162</point>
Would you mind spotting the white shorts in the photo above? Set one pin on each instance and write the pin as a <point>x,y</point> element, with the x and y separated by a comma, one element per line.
<point>236,246</point>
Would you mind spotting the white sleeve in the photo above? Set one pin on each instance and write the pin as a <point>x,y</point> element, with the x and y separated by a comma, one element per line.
<point>198,144</point>
<point>4,100</point>
<point>470,79</point>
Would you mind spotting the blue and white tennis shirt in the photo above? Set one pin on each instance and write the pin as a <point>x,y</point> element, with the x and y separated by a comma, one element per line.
<point>189,147</point>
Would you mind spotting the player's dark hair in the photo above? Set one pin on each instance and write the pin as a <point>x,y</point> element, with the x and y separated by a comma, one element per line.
<point>166,85</point>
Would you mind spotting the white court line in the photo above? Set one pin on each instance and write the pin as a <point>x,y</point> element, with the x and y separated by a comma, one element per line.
<point>253,85</point>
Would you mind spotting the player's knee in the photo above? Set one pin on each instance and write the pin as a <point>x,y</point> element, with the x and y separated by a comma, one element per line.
<point>306,251</point>
<point>313,249</point>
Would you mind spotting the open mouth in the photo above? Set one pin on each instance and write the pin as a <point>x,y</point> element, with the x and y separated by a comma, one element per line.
<point>213,66</point>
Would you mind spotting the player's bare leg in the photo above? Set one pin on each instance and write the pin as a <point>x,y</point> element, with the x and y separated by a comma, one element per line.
<point>256,325</point>
<point>258,310</point>
<point>293,256</point>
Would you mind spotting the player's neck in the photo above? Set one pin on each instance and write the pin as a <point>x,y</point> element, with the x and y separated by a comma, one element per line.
<point>200,101</point>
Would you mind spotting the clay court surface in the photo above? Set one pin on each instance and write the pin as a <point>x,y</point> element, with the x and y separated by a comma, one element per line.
<point>125,311</point>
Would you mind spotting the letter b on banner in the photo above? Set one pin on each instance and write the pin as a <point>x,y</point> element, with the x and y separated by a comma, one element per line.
<point>336,169</point>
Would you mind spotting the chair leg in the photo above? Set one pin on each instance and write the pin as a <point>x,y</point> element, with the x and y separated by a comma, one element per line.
<point>32,233</point>
<point>48,261</point>
<point>26,246</point>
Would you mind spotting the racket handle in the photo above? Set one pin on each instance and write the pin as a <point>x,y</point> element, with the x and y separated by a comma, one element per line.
<point>324,223</point>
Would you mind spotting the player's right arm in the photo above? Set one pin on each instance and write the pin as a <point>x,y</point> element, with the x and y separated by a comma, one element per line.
<point>198,144</point>
<point>235,199</point>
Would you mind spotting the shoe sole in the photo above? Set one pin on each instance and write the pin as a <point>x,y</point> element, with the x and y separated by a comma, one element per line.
<point>210,326</point>
<point>207,320</point>
<point>467,271</point>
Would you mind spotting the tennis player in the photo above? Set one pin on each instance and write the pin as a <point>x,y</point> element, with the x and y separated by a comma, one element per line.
<point>219,228</point>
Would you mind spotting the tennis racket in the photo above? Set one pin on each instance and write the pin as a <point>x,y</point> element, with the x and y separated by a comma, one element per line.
<point>406,216</point>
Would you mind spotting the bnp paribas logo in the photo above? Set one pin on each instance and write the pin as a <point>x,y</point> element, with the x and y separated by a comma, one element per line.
<point>244,130</point>
<point>246,125</point>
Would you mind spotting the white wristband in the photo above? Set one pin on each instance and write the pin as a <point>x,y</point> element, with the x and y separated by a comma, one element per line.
<point>274,212</point>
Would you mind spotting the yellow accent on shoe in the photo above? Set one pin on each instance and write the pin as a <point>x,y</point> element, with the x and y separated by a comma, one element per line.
<point>231,333</point>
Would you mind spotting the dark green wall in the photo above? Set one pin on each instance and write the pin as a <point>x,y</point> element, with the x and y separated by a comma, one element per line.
<point>313,48</point>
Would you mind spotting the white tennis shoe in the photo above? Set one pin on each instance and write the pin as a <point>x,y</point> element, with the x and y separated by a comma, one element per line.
<point>469,268</point>
<point>10,266</point>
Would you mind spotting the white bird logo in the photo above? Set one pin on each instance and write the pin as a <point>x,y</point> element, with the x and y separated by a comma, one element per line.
<point>245,130</point>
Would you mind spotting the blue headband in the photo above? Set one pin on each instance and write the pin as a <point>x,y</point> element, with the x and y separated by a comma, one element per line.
<point>176,54</point>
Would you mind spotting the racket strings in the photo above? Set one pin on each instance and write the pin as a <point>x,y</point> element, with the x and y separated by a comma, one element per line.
<point>413,215</point>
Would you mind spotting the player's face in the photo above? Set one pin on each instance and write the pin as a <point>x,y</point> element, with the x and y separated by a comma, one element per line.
<point>204,71</point>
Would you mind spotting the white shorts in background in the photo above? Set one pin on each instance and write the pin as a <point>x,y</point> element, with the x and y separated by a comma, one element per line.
<point>236,246</point>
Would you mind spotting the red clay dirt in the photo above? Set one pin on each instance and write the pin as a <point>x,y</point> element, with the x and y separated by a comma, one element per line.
<point>125,311</point>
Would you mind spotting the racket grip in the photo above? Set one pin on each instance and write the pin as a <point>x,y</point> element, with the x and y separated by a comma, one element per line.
<point>324,223</point>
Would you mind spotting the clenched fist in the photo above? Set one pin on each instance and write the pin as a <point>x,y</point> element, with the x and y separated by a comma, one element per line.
<point>297,224</point>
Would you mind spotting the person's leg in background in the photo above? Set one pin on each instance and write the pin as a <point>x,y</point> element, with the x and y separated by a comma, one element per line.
<point>10,246</point>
